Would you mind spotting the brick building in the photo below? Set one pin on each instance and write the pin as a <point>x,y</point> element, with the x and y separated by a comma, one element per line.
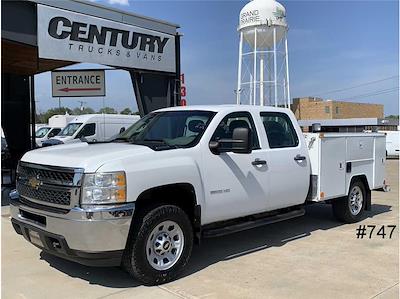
<point>316,108</point>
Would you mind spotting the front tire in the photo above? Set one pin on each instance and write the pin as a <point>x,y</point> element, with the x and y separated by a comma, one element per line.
<point>350,209</point>
<point>160,245</point>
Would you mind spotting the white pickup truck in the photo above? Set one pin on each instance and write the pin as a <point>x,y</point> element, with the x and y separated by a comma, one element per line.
<point>183,173</point>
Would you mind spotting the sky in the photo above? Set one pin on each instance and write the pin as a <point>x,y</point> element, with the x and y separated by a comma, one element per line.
<point>333,45</point>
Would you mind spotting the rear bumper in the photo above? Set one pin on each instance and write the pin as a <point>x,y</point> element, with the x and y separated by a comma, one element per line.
<point>95,236</point>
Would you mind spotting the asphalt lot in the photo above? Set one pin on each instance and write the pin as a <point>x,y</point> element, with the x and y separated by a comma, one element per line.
<point>310,257</point>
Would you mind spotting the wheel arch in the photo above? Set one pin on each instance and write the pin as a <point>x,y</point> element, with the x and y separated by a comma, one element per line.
<point>182,195</point>
<point>362,178</point>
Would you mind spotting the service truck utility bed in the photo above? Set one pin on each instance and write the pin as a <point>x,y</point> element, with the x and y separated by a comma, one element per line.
<point>337,157</point>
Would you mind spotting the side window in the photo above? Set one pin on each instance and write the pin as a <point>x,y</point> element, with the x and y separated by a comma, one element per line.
<point>195,125</point>
<point>279,129</point>
<point>54,132</point>
<point>87,130</point>
<point>233,121</point>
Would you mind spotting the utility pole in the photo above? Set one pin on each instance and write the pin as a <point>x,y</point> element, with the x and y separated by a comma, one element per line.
<point>82,107</point>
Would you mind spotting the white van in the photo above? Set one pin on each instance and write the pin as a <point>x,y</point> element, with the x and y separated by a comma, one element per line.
<point>392,143</point>
<point>60,120</point>
<point>93,127</point>
<point>45,132</point>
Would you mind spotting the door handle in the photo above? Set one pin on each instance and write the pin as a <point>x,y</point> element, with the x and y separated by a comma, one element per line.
<point>259,162</point>
<point>299,158</point>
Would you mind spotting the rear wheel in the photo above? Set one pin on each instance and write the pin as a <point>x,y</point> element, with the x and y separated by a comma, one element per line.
<point>160,245</point>
<point>350,209</point>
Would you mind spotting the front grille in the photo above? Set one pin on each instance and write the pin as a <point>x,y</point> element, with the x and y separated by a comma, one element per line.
<point>58,177</point>
<point>57,197</point>
<point>48,185</point>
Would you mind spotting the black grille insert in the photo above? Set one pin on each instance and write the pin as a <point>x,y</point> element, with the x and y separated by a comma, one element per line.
<point>59,197</point>
<point>51,176</point>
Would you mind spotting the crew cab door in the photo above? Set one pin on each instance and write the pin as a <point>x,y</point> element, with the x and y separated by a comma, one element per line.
<point>233,182</point>
<point>287,160</point>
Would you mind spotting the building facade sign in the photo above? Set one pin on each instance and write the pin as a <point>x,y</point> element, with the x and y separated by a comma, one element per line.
<point>70,36</point>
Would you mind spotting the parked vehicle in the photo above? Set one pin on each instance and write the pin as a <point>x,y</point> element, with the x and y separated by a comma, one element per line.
<point>44,133</point>
<point>183,173</point>
<point>93,128</point>
<point>392,143</point>
<point>60,120</point>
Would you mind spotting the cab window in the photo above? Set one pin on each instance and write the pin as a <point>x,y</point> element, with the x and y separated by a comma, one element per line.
<point>279,129</point>
<point>233,121</point>
<point>87,130</point>
<point>54,132</point>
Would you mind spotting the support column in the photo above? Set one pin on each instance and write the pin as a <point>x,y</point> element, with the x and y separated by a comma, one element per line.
<point>239,79</point>
<point>287,71</point>
<point>255,67</point>
<point>262,80</point>
<point>275,71</point>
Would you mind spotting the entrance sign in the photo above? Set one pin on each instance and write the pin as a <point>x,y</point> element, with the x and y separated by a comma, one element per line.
<point>78,83</point>
<point>70,36</point>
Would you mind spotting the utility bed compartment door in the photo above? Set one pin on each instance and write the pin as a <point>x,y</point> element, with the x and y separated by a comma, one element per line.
<point>379,163</point>
<point>333,168</point>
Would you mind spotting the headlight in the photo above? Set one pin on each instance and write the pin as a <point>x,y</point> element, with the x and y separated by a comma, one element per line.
<point>104,187</point>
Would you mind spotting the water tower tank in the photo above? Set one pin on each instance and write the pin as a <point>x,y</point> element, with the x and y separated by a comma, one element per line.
<point>264,15</point>
<point>263,68</point>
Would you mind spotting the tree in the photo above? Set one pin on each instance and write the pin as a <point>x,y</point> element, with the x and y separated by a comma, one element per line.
<point>44,117</point>
<point>108,110</point>
<point>392,117</point>
<point>126,111</point>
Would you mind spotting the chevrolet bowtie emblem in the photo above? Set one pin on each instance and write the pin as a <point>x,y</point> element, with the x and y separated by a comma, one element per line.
<point>34,182</point>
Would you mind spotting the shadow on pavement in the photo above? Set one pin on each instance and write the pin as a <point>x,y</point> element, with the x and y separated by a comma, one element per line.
<point>214,250</point>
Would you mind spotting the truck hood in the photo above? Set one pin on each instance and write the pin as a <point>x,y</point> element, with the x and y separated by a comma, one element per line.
<point>83,155</point>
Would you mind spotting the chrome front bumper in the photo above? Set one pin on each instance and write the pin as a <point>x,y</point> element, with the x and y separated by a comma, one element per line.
<point>91,230</point>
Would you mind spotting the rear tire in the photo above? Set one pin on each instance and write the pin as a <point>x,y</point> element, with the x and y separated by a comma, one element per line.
<point>159,245</point>
<point>350,209</point>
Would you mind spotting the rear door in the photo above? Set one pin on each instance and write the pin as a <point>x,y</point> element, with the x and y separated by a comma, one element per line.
<point>287,161</point>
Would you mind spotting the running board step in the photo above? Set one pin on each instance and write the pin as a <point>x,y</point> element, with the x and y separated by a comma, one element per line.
<point>216,232</point>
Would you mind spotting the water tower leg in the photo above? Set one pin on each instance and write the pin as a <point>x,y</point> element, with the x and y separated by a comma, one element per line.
<point>261,80</point>
<point>287,71</point>
<point>251,90</point>
<point>275,71</point>
<point>239,82</point>
<point>255,67</point>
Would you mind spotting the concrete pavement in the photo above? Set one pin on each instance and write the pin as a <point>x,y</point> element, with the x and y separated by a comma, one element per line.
<point>309,257</point>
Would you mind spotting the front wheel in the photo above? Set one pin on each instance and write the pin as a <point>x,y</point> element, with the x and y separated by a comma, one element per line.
<point>350,209</point>
<point>160,248</point>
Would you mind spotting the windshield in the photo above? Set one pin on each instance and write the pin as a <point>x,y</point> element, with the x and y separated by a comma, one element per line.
<point>70,129</point>
<point>40,133</point>
<point>170,129</point>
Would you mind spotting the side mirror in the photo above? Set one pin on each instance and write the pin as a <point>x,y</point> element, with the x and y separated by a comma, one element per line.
<point>240,143</point>
<point>315,128</point>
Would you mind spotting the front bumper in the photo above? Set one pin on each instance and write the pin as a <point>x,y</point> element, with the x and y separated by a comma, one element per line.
<point>93,236</point>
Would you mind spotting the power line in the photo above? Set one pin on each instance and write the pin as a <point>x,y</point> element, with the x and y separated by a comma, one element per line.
<point>356,86</point>
<point>374,93</point>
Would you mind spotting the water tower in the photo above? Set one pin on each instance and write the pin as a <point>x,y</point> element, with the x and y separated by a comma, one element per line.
<point>263,70</point>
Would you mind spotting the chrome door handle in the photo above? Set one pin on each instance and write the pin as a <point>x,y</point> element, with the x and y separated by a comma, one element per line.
<point>259,162</point>
<point>299,158</point>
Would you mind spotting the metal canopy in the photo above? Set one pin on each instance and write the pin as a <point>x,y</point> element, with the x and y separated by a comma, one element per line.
<point>154,88</point>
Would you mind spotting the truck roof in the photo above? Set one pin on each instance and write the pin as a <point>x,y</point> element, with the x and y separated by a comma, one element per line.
<point>226,108</point>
